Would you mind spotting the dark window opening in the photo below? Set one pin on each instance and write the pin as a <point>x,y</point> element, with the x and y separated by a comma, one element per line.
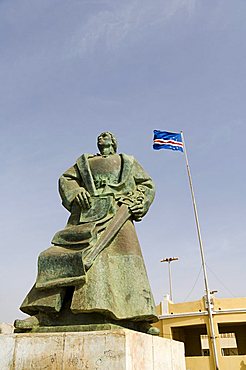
<point>192,338</point>
<point>232,338</point>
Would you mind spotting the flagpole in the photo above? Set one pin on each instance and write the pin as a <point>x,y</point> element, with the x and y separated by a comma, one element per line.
<point>208,295</point>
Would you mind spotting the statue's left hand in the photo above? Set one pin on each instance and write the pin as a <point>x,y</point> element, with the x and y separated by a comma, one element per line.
<point>137,210</point>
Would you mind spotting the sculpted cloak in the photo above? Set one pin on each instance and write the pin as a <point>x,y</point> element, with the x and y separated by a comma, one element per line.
<point>116,285</point>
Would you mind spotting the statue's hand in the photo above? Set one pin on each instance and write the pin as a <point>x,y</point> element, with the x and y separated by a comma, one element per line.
<point>83,199</point>
<point>137,210</point>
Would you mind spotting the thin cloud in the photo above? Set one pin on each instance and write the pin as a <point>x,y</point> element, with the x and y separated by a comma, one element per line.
<point>112,26</point>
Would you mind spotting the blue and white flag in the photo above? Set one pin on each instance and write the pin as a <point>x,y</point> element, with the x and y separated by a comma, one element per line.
<point>167,140</point>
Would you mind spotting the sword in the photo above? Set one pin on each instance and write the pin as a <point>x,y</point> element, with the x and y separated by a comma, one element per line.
<point>121,216</point>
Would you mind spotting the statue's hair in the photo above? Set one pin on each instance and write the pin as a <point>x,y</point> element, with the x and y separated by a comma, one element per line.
<point>114,140</point>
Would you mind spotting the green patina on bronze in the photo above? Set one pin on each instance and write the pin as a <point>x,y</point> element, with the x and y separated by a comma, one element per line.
<point>94,274</point>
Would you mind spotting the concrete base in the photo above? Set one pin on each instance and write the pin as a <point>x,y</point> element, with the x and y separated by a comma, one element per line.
<point>112,349</point>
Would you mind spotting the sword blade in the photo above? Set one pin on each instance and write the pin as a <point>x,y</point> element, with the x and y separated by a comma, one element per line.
<point>121,216</point>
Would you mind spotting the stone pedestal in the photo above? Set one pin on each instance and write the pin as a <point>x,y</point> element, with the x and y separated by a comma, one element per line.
<point>102,350</point>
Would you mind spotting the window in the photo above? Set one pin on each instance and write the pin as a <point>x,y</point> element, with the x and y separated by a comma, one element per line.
<point>232,338</point>
<point>191,336</point>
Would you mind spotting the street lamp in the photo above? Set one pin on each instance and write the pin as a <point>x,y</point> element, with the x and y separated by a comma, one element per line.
<point>169,260</point>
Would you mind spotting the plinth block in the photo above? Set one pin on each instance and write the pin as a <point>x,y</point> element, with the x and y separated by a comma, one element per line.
<point>120,349</point>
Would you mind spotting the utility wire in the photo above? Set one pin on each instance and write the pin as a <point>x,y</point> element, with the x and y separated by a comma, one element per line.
<point>199,273</point>
<point>220,281</point>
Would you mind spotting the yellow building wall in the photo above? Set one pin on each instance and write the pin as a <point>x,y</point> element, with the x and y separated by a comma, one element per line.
<point>199,363</point>
<point>229,303</point>
<point>225,363</point>
<point>195,306</point>
<point>179,327</point>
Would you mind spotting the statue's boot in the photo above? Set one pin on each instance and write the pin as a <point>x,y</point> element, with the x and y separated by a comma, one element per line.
<point>153,331</point>
<point>35,321</point>
<point>28,323</point>
<point>147,328</point>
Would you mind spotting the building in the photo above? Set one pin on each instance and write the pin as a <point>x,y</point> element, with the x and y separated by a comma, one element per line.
<point>189,322</point>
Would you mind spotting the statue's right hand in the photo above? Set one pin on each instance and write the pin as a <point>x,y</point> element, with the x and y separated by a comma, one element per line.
<point>83,199</point>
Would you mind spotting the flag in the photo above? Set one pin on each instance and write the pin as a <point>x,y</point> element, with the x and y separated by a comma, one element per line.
<point>167,140</point>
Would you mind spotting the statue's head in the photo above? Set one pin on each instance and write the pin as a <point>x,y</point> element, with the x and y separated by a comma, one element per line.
<point>107,140</point>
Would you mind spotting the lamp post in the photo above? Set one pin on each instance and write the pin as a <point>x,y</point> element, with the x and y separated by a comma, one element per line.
<point>169,260</point>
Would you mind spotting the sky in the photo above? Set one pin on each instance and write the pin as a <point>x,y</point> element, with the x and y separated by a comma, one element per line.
<point>71,69</point>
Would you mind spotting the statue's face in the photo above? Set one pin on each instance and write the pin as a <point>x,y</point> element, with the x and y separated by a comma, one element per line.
<point>104,140</point>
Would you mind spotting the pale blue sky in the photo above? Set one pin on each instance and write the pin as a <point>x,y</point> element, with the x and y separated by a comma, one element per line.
<point>70,69</point>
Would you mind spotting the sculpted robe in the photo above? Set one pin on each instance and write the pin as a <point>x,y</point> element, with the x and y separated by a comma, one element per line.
<point>116,285</point>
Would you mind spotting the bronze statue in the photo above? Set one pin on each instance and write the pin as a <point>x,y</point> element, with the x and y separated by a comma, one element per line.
<point>93,276</point>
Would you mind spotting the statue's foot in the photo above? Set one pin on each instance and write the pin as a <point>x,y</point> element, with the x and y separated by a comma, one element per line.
<point>153,331</point>
<point>145,327</point>
<point>27,324</point>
